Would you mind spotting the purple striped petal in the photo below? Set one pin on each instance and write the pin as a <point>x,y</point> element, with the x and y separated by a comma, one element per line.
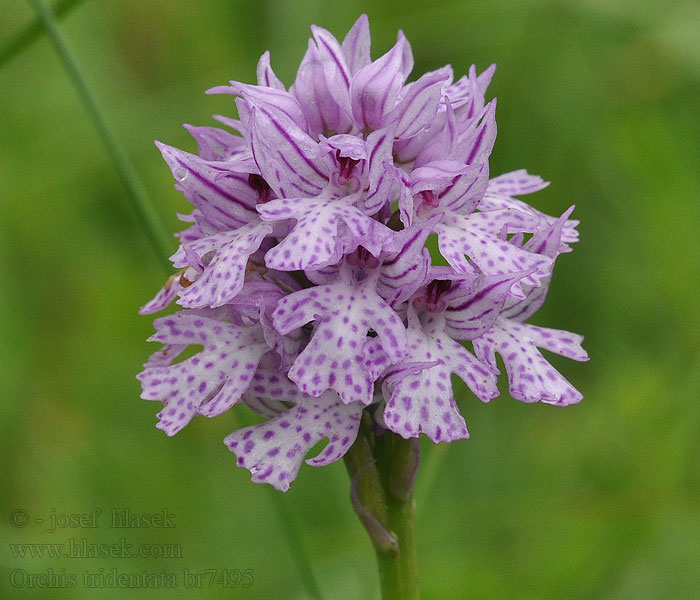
<point>476,143</point>
<point>406,202</point>
<point>337,75</point>
<point>374,88</point>
<point>288,158</point>
<point>381,183</point>
<point>407,150</point>
<point>459,105</point>
<point>325,105</point>
<point>465,191</point>
<point>436,175</point>
<point>439,184</point>
<point>275,100</point>
<point>217,144</point>
<point>222,196</point>
<point>403,272</point>
<point>356,45</point>
<point>350,146</point>
<point>549,240</point>
<point>417,104</point>
<point>484,80</point>
<point>443,137</point>
<point>406,54</point>
<point>467,94</point>
<point>469,317</point>
<point>266,76</point>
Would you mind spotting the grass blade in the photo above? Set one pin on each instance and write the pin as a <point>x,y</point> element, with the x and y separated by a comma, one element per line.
<point>146,214</point>
<point>428,476</point>
<point>294,540</point>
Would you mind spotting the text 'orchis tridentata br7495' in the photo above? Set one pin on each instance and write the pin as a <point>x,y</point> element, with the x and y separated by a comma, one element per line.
<point>304,274</point>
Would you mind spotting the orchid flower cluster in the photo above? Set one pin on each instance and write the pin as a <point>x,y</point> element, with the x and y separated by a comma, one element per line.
<point>304,274</point>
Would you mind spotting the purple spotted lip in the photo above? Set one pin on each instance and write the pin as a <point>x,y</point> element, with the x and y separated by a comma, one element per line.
<point>304,274</point>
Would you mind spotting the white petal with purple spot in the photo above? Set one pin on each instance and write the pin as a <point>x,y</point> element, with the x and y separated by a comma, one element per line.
<point>211,381</point>
<point>337,357</point>
<point>273,451</point>
<point>325,230</point>
<point>224,257</point>
<point>422,401</point>
<point>531,378</point>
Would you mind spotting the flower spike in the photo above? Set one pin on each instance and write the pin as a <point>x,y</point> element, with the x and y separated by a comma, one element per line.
<point>309,275</point>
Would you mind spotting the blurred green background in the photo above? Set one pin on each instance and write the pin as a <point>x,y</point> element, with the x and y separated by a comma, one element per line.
<point>598,500</point>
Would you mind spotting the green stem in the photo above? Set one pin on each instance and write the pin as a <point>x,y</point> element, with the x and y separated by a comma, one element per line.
<point>383,471</point>
<point>145,212</point>
<point>398,573</point>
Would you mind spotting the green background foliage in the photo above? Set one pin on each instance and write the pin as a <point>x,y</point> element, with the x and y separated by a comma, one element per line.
<point>598,500</point>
